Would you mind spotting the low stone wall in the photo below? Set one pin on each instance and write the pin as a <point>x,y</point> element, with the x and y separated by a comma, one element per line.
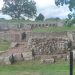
<point>16,57</point>
<point>47,34</point>
<point>52,45</point>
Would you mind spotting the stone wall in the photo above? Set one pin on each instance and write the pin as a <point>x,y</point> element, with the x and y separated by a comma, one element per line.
<point>50,45</point>
<point>11,36</point>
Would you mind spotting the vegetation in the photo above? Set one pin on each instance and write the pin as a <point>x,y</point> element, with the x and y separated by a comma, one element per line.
<point>70,3</point>
<point>34,67</point>
<point>54,29</point>
<point>53,19</point>
<point>16,8</point>
<point>40,17</point>
<point>4,45</point>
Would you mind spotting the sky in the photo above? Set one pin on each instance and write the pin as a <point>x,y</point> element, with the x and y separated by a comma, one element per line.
<point>47,8</point>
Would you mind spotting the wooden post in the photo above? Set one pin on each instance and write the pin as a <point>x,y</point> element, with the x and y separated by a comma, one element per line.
<point>71,57</point>
<point>71,63</point>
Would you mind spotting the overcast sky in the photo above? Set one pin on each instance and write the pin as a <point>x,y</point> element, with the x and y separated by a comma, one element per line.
<point>47,8</point>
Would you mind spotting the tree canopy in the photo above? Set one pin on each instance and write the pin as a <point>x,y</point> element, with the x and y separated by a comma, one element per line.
<point>71,3</point>
<point>40,17</point>
<point>16,8</point>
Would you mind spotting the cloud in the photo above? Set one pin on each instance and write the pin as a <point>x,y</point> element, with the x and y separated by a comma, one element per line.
<point>1,4</point>
<point>54,11</point>
<point>5,16</point>
<point>47,8</point>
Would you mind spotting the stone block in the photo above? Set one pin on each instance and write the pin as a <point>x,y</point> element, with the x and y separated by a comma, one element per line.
<point>1,60</point>
<point>50,60</point>
<point>27,55</point>
<point>7,60</point>
<point>18,57</point>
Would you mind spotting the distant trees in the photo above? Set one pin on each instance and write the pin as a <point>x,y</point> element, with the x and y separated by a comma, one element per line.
<point>16,8</point>
<point>40,17</point>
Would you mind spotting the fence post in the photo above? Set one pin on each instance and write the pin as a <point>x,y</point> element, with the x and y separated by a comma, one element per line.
<point>71,57</point>
<point>71,63</point>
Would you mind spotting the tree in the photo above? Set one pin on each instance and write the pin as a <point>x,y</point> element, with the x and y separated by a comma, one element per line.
<point>69,16</point>
<point>16,8</point>
<point>71,5</point>
<point>40,17</point>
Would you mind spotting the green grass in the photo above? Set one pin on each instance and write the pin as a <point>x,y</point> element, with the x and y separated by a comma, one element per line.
<point>4,45</point>
<point>27,68</point>
<point>54,29</point>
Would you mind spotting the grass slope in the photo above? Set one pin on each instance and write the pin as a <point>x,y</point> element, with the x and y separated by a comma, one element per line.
<point>27,68</point>
<point>54,29</point>
<point>4,45</point>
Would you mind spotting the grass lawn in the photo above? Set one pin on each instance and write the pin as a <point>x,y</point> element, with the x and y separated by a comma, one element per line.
<point>54,29</point>
<point>4,45</point>
<point>35,68</point>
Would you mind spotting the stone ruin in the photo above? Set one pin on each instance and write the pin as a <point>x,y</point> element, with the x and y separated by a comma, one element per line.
<point>48,47</point>
<point>51,48</point>
<point>52,45</point>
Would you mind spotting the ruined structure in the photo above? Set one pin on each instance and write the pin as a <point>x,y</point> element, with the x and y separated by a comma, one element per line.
<point>50,45</point>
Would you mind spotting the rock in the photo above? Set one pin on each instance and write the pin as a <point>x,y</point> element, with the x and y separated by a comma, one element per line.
<point>27,55</point>
<point>1,60</point>
<point>50,61</point>
<point>18,57</point>
<point>13,44</point>
<point>7,60</point>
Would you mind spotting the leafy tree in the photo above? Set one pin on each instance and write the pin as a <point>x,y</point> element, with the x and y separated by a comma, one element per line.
<point>71,5</point>
<point>16,8</point>
<point>40,17</point>
<point>69,16</point>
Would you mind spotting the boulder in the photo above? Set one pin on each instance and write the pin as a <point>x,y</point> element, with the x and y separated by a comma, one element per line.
<point>7,60</point>
<point>18,57</point>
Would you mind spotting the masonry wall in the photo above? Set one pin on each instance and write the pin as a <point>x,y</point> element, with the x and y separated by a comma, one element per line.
<point>10,36</point>
<point>54,45</point>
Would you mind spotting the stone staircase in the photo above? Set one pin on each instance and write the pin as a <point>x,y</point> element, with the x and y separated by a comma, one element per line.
<point>19,53</point>
<point>22,47</point>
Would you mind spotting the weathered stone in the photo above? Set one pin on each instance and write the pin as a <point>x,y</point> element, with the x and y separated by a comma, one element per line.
<point>18,57</point>
<point>7,60</point>
<point>49,45</point>
<point>13,44</point>
<point>50,60</point>
<point>27,55</point>
<point>1,60</point>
